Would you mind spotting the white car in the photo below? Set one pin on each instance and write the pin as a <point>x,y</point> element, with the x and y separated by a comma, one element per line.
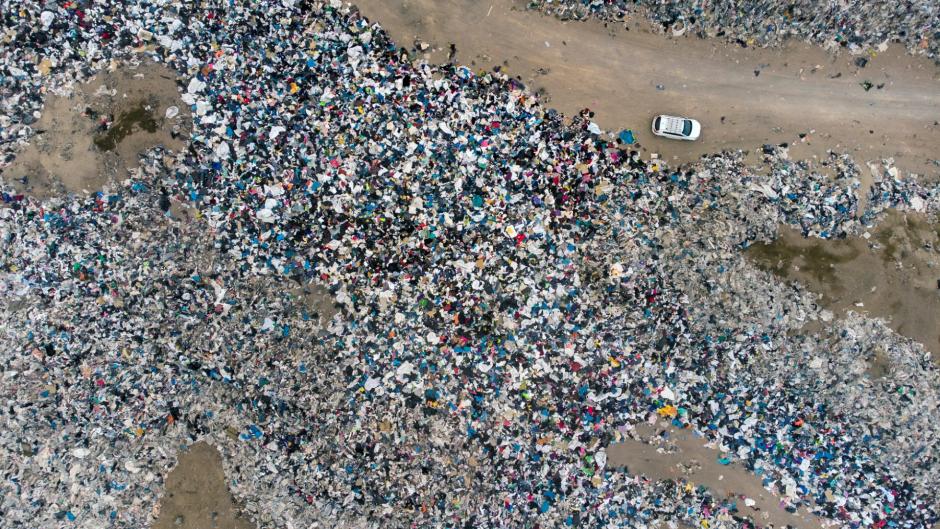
<point>676,128</point>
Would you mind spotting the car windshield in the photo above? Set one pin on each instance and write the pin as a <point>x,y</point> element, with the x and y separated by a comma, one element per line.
<point>656,123</point>
<point>687,128</point>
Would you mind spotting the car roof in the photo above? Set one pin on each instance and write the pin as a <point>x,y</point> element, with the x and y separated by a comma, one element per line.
<point>671,124</point>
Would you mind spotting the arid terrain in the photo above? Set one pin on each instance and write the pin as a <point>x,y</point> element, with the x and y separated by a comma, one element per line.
<point>72,151</point>
<point>742,97</point>
<point>801,95</point>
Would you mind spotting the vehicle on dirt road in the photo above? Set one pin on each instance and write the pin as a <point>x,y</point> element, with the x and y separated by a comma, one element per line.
<point>676,128</point>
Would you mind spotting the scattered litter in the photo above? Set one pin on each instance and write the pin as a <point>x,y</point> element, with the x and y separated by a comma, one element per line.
<point>858,25</point>
<point>512,292</point>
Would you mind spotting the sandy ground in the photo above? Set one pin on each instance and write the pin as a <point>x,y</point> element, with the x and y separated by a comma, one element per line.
<point>743,97</point>
<point>317,301</point>
<point>72,152</point>
<point>893,274</point>
<point>680,455</point>
<point>197,496</point>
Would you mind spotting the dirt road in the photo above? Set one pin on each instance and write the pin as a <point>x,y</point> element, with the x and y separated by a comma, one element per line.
<point>743,97</point>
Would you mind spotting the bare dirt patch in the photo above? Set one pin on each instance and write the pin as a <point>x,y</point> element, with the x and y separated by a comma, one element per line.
<point>743,97</point>
<point>893,274</point>
<point>95,134</point>
<point>197,496</point>
<point>682,456</point>
<point>317,301</point>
